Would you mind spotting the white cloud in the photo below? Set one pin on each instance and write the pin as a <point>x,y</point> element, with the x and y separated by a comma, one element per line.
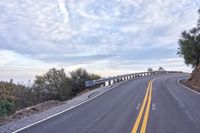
<point>91,33</point>
<point>5,57</point>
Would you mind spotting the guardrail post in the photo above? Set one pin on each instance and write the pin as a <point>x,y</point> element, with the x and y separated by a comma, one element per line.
<point>109,82</point>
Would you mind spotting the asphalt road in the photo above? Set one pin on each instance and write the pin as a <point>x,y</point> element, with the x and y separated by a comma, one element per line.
<point>142,105</point>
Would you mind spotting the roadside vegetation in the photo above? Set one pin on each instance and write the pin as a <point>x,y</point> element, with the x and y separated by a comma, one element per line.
<point>189,49</point>
<point>53,85</point>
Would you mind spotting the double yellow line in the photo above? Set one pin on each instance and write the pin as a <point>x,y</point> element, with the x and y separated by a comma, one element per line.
<point>147,103</point>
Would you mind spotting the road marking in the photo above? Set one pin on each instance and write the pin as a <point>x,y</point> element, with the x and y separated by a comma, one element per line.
<point>138,106</point>
<point>146,102</point>
<point>137,122</point>
<point>153,106</point>
<point>146,115</point>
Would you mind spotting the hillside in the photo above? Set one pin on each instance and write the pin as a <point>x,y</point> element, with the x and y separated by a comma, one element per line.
<point>194,80</point>
<point>10,97</point>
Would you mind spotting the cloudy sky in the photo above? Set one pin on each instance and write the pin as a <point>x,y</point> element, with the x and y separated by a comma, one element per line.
<point>107,37</point>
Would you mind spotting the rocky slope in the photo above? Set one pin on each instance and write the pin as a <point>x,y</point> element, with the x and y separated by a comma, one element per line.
<point>194,80</point>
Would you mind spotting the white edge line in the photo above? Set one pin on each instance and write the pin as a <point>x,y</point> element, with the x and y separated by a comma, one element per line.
<point>178,81</point>
<point>23,128</point>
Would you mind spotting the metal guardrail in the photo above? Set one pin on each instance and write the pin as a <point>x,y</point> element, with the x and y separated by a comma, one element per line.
<point>116,79</point>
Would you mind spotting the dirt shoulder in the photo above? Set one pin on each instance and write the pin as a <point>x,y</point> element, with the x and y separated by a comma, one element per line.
<point>194,81</point>
<point>26,112</point>
<point>189,85</point>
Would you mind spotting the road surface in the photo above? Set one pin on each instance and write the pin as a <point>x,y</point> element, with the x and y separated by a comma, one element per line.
<point>154,104</point>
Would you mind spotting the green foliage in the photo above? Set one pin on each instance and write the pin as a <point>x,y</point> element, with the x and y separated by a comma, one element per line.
<point>53,85</point>
<point>6,107</point>
<point>189,45</point>
<point>78,78</point>
<point>56,85</point>
<point>13,93</point>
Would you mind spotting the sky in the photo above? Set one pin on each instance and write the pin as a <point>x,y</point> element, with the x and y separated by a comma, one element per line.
<point>107,37</point>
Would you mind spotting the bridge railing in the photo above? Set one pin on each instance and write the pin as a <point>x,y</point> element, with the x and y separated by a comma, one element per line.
<point>119,78</point>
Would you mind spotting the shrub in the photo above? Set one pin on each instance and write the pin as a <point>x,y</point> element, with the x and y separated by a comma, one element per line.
<point>6,107</point>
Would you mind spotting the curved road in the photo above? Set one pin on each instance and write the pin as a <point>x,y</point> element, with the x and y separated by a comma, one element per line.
<point>154,104</point>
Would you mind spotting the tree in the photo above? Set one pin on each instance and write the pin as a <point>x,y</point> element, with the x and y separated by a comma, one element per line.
<point>11,81</point>
<point>161,69</point>
<point>78,78</point>
<point>53,85</point>
<point>150,70</point>
<point>189,45</point>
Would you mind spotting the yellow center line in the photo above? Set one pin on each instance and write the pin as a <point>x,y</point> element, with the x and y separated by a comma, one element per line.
<point>137,122</point>
<point>146,115</point>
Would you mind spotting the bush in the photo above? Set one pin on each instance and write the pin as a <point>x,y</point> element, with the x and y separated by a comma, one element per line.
<point>54,85</point>
<point>6,107</point>
<point>78,78</point>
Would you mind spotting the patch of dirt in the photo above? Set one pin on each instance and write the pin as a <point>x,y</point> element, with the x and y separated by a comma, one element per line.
<point>26,112</point>
<point>194,80</point>
<point>86,90</point>
<point>188,84</point>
